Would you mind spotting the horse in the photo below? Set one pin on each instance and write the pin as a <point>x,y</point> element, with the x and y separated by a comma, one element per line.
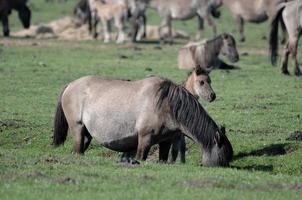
<point>198,83</point>
<point>107,11</point>
<point>206,53</point>
<point>6,6</point>
<point>128,116</point>
<point>289,15</point>
<point>255,11</point>
<point>184,10</point>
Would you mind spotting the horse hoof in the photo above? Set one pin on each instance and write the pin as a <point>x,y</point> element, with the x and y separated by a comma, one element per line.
<point>285,72</point>
<point>134,162</point>
<point>242,39</point>
<point>298,73</point>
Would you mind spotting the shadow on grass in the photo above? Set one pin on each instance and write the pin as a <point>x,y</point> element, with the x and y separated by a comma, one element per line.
<point>272,150</point>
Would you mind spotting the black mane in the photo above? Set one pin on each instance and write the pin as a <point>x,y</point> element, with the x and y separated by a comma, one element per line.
<point>186,110</point>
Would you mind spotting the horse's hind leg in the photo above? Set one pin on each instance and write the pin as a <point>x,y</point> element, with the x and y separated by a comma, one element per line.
<point>87,138</point>
<point>199,34</point>
<point>240,23</point>
<point>164,148</point>
<point>284,61</point>
<point>119,23</point>
<point>79,132</point>
<point>107,30</point>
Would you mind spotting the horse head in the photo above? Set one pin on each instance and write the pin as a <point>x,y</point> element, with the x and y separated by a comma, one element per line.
<point>202,84</point>
<point>229,47</point>
<point>220,153</point>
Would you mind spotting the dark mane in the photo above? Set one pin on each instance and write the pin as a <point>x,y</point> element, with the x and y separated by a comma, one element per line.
<point>186,110</point>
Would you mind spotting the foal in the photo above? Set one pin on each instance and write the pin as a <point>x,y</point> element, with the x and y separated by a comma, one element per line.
<point>107,11</point>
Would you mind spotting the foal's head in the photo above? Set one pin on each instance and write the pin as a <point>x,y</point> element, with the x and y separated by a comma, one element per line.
<point>229,47</point>
<point>201,84</point>
<point>220,153</point>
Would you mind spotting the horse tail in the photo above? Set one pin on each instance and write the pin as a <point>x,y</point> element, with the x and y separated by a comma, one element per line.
<point>60,123</point>
<point>273,36</point>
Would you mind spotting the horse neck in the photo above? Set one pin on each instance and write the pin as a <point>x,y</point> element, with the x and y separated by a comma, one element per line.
<point>212,49</point>
<point>189,83</point>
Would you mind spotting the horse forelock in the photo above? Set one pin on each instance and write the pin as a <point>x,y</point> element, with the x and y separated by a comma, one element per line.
<point>187,112</point>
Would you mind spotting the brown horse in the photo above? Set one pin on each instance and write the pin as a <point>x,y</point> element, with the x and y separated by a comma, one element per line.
<point>289,15</point>
<point>255,11</point>
<point>206,53</point>
<point>6,6</point>
<point>130,116</point>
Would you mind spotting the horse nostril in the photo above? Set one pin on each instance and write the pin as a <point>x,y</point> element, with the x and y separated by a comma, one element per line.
<point>213,96</point>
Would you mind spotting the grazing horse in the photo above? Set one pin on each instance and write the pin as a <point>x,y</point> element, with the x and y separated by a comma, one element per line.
<point>289,15</point>
<point>107,11</point>
<point>255,11</point>
<point>206,53</point>
<point>128,116</point>
<point>184,10</point>
<point>6,6</point>
<point>198,83</point>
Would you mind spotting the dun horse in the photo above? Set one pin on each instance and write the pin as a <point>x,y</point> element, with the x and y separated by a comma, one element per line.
<point>289,15</point>
<point>255,11</point>
<point>6,6</point>
<point>198,83</point>
<point>206,53</point>
<point>130,116</point>
<point>184,10</point>
<point>107,11</point>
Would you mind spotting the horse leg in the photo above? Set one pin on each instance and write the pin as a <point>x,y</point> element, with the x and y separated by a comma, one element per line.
<point>240,23</point>
<point>174,150</point>
<point>78,135</point>
<point>107,28</point>
<point>119,23</point>
<point>170,32</point>
<point>163,24</point>
<point>5,24</point>
<point>199,34</point>
<point>182,149</point>
<point>284,61</point>
<point>93,24</point>
<point>87,138</point>
<point>128,157</point>
<point>211,23</point>
<point>144,21</point>
<point>144,144</point>
<point>293,50</point>
<point>164,148</point>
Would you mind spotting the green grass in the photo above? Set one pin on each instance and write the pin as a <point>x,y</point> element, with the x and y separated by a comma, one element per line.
<point>259,106</point>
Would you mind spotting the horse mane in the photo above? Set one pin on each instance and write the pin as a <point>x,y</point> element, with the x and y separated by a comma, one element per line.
<point>186,111</point>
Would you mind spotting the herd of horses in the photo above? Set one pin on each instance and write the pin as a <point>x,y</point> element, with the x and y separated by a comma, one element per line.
<point>131,116</point>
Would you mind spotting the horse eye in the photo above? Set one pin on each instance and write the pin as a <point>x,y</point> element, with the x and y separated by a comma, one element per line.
<point>201,83</point>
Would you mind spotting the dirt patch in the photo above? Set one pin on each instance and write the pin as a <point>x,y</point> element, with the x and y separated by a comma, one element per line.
<point>295,136</point>
<point>34,174</point>
<point>12,123</point>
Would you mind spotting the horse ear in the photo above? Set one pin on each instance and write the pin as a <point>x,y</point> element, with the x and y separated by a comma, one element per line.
<point>225,35</point>
<point>201,70</point>
<point>193,49</point>
<point>222,130</point>
<point>217,138</point>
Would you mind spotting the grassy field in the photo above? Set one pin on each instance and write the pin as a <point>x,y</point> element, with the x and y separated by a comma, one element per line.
<point>259,107</point>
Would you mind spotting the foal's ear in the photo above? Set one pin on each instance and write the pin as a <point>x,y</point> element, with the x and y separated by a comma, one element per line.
<point>222,130</point>
<point>199,70</point>
<point>225,35</point>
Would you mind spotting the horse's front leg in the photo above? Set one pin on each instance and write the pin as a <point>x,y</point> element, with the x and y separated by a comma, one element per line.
<point>4,20</point>
<point>164,148</point>
<point>143,147</point>
<point>206,15</point>
<point>92,26</point>
<point>284,61</point>
<point>164,23</point>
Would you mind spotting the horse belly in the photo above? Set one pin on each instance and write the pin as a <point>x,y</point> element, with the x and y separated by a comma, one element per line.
<point>114,130</point>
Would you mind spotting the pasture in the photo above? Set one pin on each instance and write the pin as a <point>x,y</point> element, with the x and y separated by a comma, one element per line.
<point>259,106</point>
